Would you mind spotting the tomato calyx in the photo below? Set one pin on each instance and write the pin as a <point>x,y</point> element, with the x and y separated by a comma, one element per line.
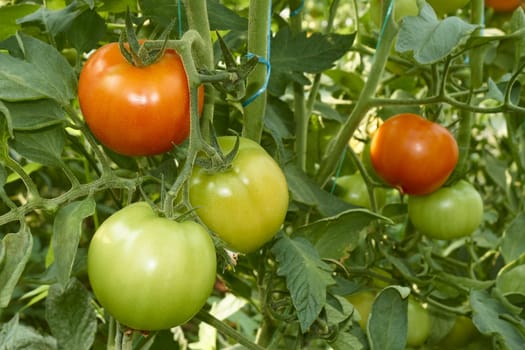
<point>140,53</point>
<point>217,161</point>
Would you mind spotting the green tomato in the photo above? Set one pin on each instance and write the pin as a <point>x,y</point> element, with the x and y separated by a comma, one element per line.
<point>418,323</point>
<point>448,213</point>
<point>443,7</point>
<point>246,204</point>
<point>352,189</point>
<point>362,302</point>
<point>402,8</point>
<point>148,272</point>
<point>462,333</point>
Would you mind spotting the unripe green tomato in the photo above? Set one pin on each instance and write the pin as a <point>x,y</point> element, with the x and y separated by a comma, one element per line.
<point>443,7</point>
<point>353,190</point>
<point>448,213</point>
<point>150,272</point>
<point>362,302</point>
<point>460,335</point>
<point>402,8</point>
<point>418,323</point>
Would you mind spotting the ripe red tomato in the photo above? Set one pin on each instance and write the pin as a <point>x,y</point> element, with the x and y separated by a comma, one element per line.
<point>448,213</point>
<point>135,110</point>
<point>413,154</point>
<point>246,204</point>
<point>503,5</point>
<point>148,272</point>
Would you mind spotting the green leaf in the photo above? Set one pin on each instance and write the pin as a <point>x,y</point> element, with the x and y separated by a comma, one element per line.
<point>511,281</point>
<point>71,316</point>
<point>42,73</point>
<point>307,191</point>
<point>489,317</point>
<point>17,249</point>
<point>30,115</point>
<point>8,16</point>
<point>44,146</point>
<point>307,277</point>
<point>86,31</point>
<point>54,21</point>
<point>222,18</point>
<point>336,236</point>
<point>296,53</point>
<point>513,240</point>
<point>14,335</point>
<point>429,39</point>
<point>388,324</point>
<point>67,230</point>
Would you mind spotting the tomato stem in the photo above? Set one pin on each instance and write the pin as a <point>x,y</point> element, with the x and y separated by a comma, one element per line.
<point>336,146</point>
<point>226,330</point>
<point>258,45</point>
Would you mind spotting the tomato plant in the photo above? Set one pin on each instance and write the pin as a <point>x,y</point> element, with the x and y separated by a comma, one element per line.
<point>446,7</point>
<point>413,154</point>
<point>135,110</point>
<point>148,272</point>
<point>353,189</point>
<point>402,8</point>
<point>450,212</point>
<point>503,5</point>
<point>245,204</point>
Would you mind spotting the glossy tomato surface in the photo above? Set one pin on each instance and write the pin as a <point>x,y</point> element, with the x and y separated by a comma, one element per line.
<point>413,154</point>
<point>135,110</point>
<point>246,204</point>
<point>450,212</point>
<point>148,272</point>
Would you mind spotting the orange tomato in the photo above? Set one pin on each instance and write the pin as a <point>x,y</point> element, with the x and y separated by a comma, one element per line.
<point>503,5</point>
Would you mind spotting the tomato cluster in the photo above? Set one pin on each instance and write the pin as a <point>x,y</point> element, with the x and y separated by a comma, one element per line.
<point>135,110</point>
<point>417,156</point>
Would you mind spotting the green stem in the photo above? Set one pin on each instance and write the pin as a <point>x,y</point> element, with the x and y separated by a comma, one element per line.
<point>301,113</point>
<point>197,15</point>
<point>227,330</point>
<point>259,17</point>
<point>32,189</point>
<point>337,145</point>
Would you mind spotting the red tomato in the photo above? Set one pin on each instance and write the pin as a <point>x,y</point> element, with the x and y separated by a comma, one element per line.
<point>135,110</point>
<point>413,154</point>
<point>503,5</point>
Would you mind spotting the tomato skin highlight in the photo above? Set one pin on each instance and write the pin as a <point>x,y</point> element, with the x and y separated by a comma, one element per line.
<point>449,213</point>
<point>245,205</point>
<point>148,272</point>
<point>413,154</point>
<point>135,111</point>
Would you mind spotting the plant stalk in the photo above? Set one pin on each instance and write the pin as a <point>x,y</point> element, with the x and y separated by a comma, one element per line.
<point>337,145</point>
<point>258,44</point>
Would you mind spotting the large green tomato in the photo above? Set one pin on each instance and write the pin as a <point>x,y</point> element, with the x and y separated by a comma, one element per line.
<point>418,323</point>
<point>352,189</point>
<point>362,302</point>
<point>246,204</point>
<point>462,333</point>
<point>148,272</point>
<point>443,7</point>
<point>448,213</point>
